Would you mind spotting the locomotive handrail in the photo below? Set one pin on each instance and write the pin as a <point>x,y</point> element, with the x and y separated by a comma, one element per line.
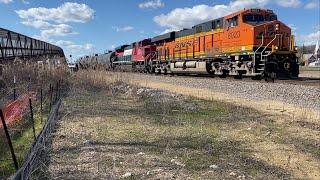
<point>275,37</point>
<point>254,54</point>
<point>149,57</point>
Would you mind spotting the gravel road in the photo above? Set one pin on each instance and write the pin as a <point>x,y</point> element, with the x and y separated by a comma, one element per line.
<point>300,95</point>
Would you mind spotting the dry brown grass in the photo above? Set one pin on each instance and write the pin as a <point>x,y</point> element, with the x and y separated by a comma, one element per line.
<point>29,77</point>
<point>104,134</point>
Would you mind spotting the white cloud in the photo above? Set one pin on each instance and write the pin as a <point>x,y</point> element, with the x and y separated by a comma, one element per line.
<point>47,29</point>
<point>309,39</point>
<point>25,2</point>
<point>312,4</point>
<point>77,50</point>
<point>74,47</point>
<point>289,3</point>
<point>52,21</point>
<point>6,1</point>
<point>123,29</point>
<point>67,12</point>
<point>37,24</point>
<point>154,4</point>
<point>168,30</point>
<point>58,30</point>
<point>187,17</point>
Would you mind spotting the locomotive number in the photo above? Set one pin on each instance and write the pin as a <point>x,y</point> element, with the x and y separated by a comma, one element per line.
<point>234,35</point>
<point>184,44</point>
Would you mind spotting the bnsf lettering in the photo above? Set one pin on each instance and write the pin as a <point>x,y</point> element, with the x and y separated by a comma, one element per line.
<point>234,35</point>
<point>184,44</point>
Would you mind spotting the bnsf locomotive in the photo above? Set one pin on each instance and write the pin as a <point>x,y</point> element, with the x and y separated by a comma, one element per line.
<point>251,42</point>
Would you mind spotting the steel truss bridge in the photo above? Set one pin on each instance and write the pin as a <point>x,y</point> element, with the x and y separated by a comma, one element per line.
<point>14,45</point>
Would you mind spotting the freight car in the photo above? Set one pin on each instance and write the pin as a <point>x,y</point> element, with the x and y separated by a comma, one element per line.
<point>251,42</point>
<point>98,61</point>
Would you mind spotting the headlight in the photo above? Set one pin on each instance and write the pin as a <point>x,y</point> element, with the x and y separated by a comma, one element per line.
<point>277,27</point>
<point>274,48</point>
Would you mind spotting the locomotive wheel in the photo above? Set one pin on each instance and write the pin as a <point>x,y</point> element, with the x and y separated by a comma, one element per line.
<point>270,71</point>
<point>239,76</point>
<point>148,69</point>
<point>209,69</point>
<point>212,74</point>
<point>224,74</point>
<point>259,77</point>
<point>294,71</point>
<point>165,72</point>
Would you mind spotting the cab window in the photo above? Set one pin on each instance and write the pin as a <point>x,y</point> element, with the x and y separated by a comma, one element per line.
<point>218,24</point>
<point>253,18</point>
<point>198,29</point>
<point>232,22</point>
<point>271,18</point>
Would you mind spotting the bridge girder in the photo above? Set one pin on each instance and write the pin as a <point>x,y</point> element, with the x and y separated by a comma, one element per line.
<point>14,45</point>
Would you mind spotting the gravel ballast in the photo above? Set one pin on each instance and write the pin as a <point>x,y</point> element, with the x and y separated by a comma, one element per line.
<point>298,95</point>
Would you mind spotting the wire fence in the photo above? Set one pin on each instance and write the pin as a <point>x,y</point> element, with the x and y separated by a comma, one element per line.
<point>28,103</point>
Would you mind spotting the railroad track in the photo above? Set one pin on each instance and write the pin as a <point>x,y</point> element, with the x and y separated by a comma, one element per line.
<point>305,81</point>
<point>302,81</point>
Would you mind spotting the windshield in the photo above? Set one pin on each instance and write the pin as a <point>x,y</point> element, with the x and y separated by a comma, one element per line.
<point>255,18</point>
<point>271,18</point>
<point>258,18</point>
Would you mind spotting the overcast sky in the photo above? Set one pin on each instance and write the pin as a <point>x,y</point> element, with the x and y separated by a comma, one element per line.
<point>91,26</point>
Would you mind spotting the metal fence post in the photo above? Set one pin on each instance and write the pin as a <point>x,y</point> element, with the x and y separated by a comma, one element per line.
<point>41,108</point>
<point>51,91</point>
<point>15,162</point>
<point>32,120</point>
<point>57,86</point>
<point>29,84</point>
<point>59,82</point>
<point>14,88</point>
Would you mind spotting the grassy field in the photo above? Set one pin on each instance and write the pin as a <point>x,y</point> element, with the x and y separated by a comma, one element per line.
<point>22,138</point>
<point>306,68</point>
<point>111,130</point>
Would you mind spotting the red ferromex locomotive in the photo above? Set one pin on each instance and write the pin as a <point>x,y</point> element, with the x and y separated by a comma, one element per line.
<point>251,42</point>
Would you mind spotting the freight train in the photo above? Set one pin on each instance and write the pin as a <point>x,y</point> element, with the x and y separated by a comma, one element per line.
<point>251,42</point>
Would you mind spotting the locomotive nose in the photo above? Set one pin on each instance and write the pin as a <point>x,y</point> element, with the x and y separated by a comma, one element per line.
<point>275,34</point>
<point>276,27</point>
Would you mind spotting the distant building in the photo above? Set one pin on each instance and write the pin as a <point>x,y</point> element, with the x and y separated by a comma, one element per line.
<point>314,59</point>
<point>305,58</point>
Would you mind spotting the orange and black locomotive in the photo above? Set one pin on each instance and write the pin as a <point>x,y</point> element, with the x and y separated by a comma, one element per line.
<point>251,42</point>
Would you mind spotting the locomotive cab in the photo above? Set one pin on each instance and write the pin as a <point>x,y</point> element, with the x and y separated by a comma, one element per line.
<point>273,45</point>
<point>256,43</point>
